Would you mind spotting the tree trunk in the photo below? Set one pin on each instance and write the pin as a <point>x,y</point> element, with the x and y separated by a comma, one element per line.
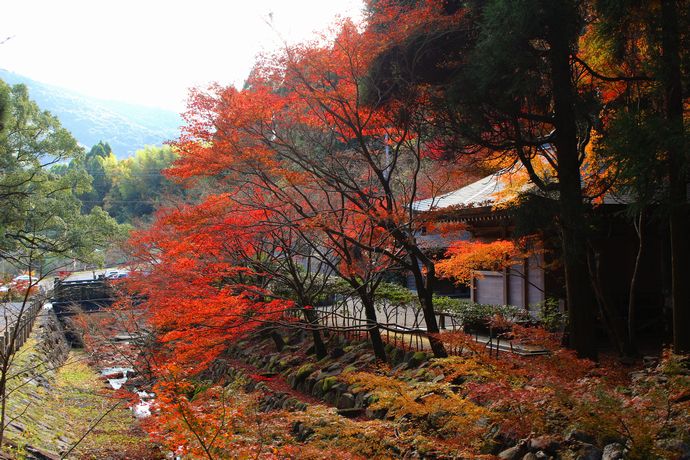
<point>678,216</point>
<point>611,319</point>
<point>579,294</point>
<point>313,321</point>
<point>278,340</point>
<point>373,326</point>
<point>3,395</point>
<point>425,293</point>
<point>632,339</point>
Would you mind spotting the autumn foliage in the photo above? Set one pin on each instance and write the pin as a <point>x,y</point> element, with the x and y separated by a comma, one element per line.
<point>197,291</point>
<point>311,172</point>
<point>465,258</point>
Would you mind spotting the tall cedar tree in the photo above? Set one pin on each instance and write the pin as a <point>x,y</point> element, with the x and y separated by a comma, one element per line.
<point>677,159</point>
<point>643,127</point>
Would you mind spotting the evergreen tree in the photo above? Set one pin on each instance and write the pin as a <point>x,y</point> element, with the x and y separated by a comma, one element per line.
<point>41,223</point>
<point>138,185</point>
<point>646,133</point>
<point>94,163</point>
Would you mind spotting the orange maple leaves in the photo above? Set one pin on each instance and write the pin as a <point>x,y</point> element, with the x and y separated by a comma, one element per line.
<point>198,291</point>
<point>465,258</point>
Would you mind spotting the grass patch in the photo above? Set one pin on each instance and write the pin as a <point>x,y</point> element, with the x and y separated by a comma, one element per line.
<point>82,397</point>
<point>69,400</point>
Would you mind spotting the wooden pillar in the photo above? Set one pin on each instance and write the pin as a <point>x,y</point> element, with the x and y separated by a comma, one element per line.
<point>525,283</point>
<point>473,289</point>
<point>13,334</point>
<point>506,286</point>
<point>506,273</point>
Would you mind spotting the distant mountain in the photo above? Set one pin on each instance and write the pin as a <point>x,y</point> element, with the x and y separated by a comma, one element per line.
<point>126,127</point>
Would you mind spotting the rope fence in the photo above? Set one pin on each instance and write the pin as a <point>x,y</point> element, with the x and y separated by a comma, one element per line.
<point>403,326</point>
<point>400,325</point>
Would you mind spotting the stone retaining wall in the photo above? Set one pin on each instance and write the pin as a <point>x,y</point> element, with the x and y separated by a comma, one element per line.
<point>34,369</point>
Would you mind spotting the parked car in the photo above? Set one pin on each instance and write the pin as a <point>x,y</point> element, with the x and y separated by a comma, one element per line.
<point>116,274</point>
<point>22,279</point>
<point>21,283</point>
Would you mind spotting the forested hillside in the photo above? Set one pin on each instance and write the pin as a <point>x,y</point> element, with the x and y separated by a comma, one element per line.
<point>129,189</point>
<point>126,127</point>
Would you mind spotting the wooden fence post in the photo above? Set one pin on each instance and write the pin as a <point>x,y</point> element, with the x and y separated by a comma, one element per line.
<point>13,335</point>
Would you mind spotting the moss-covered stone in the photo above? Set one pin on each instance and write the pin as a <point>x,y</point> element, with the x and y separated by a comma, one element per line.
<point>61,413</point>
<point>328,383</point>
<point>303,372</point>
<point>372,398</point>
<point>417,358</point>
<point>420,356</point>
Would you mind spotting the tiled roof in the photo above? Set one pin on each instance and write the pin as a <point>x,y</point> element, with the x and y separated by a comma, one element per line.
<point>480,193</point>
<point>484,193</point>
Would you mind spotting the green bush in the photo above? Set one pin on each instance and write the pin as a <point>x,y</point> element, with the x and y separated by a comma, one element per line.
<point>394,294</point>
<point>443,304</point>
<point>551,317</point>
<point>476,315</point>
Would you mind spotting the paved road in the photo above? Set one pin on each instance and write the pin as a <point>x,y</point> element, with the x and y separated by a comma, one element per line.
<point>94,274</point>
<point>47,283</point>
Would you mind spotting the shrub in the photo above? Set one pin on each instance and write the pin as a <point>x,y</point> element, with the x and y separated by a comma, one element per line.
<point>477,316</point>
<point>551,317</point>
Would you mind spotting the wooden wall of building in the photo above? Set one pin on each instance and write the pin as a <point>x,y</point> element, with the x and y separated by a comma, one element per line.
<point>522,285</point>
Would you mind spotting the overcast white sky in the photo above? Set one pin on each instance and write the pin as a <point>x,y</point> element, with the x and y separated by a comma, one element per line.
<point>151,51</point>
